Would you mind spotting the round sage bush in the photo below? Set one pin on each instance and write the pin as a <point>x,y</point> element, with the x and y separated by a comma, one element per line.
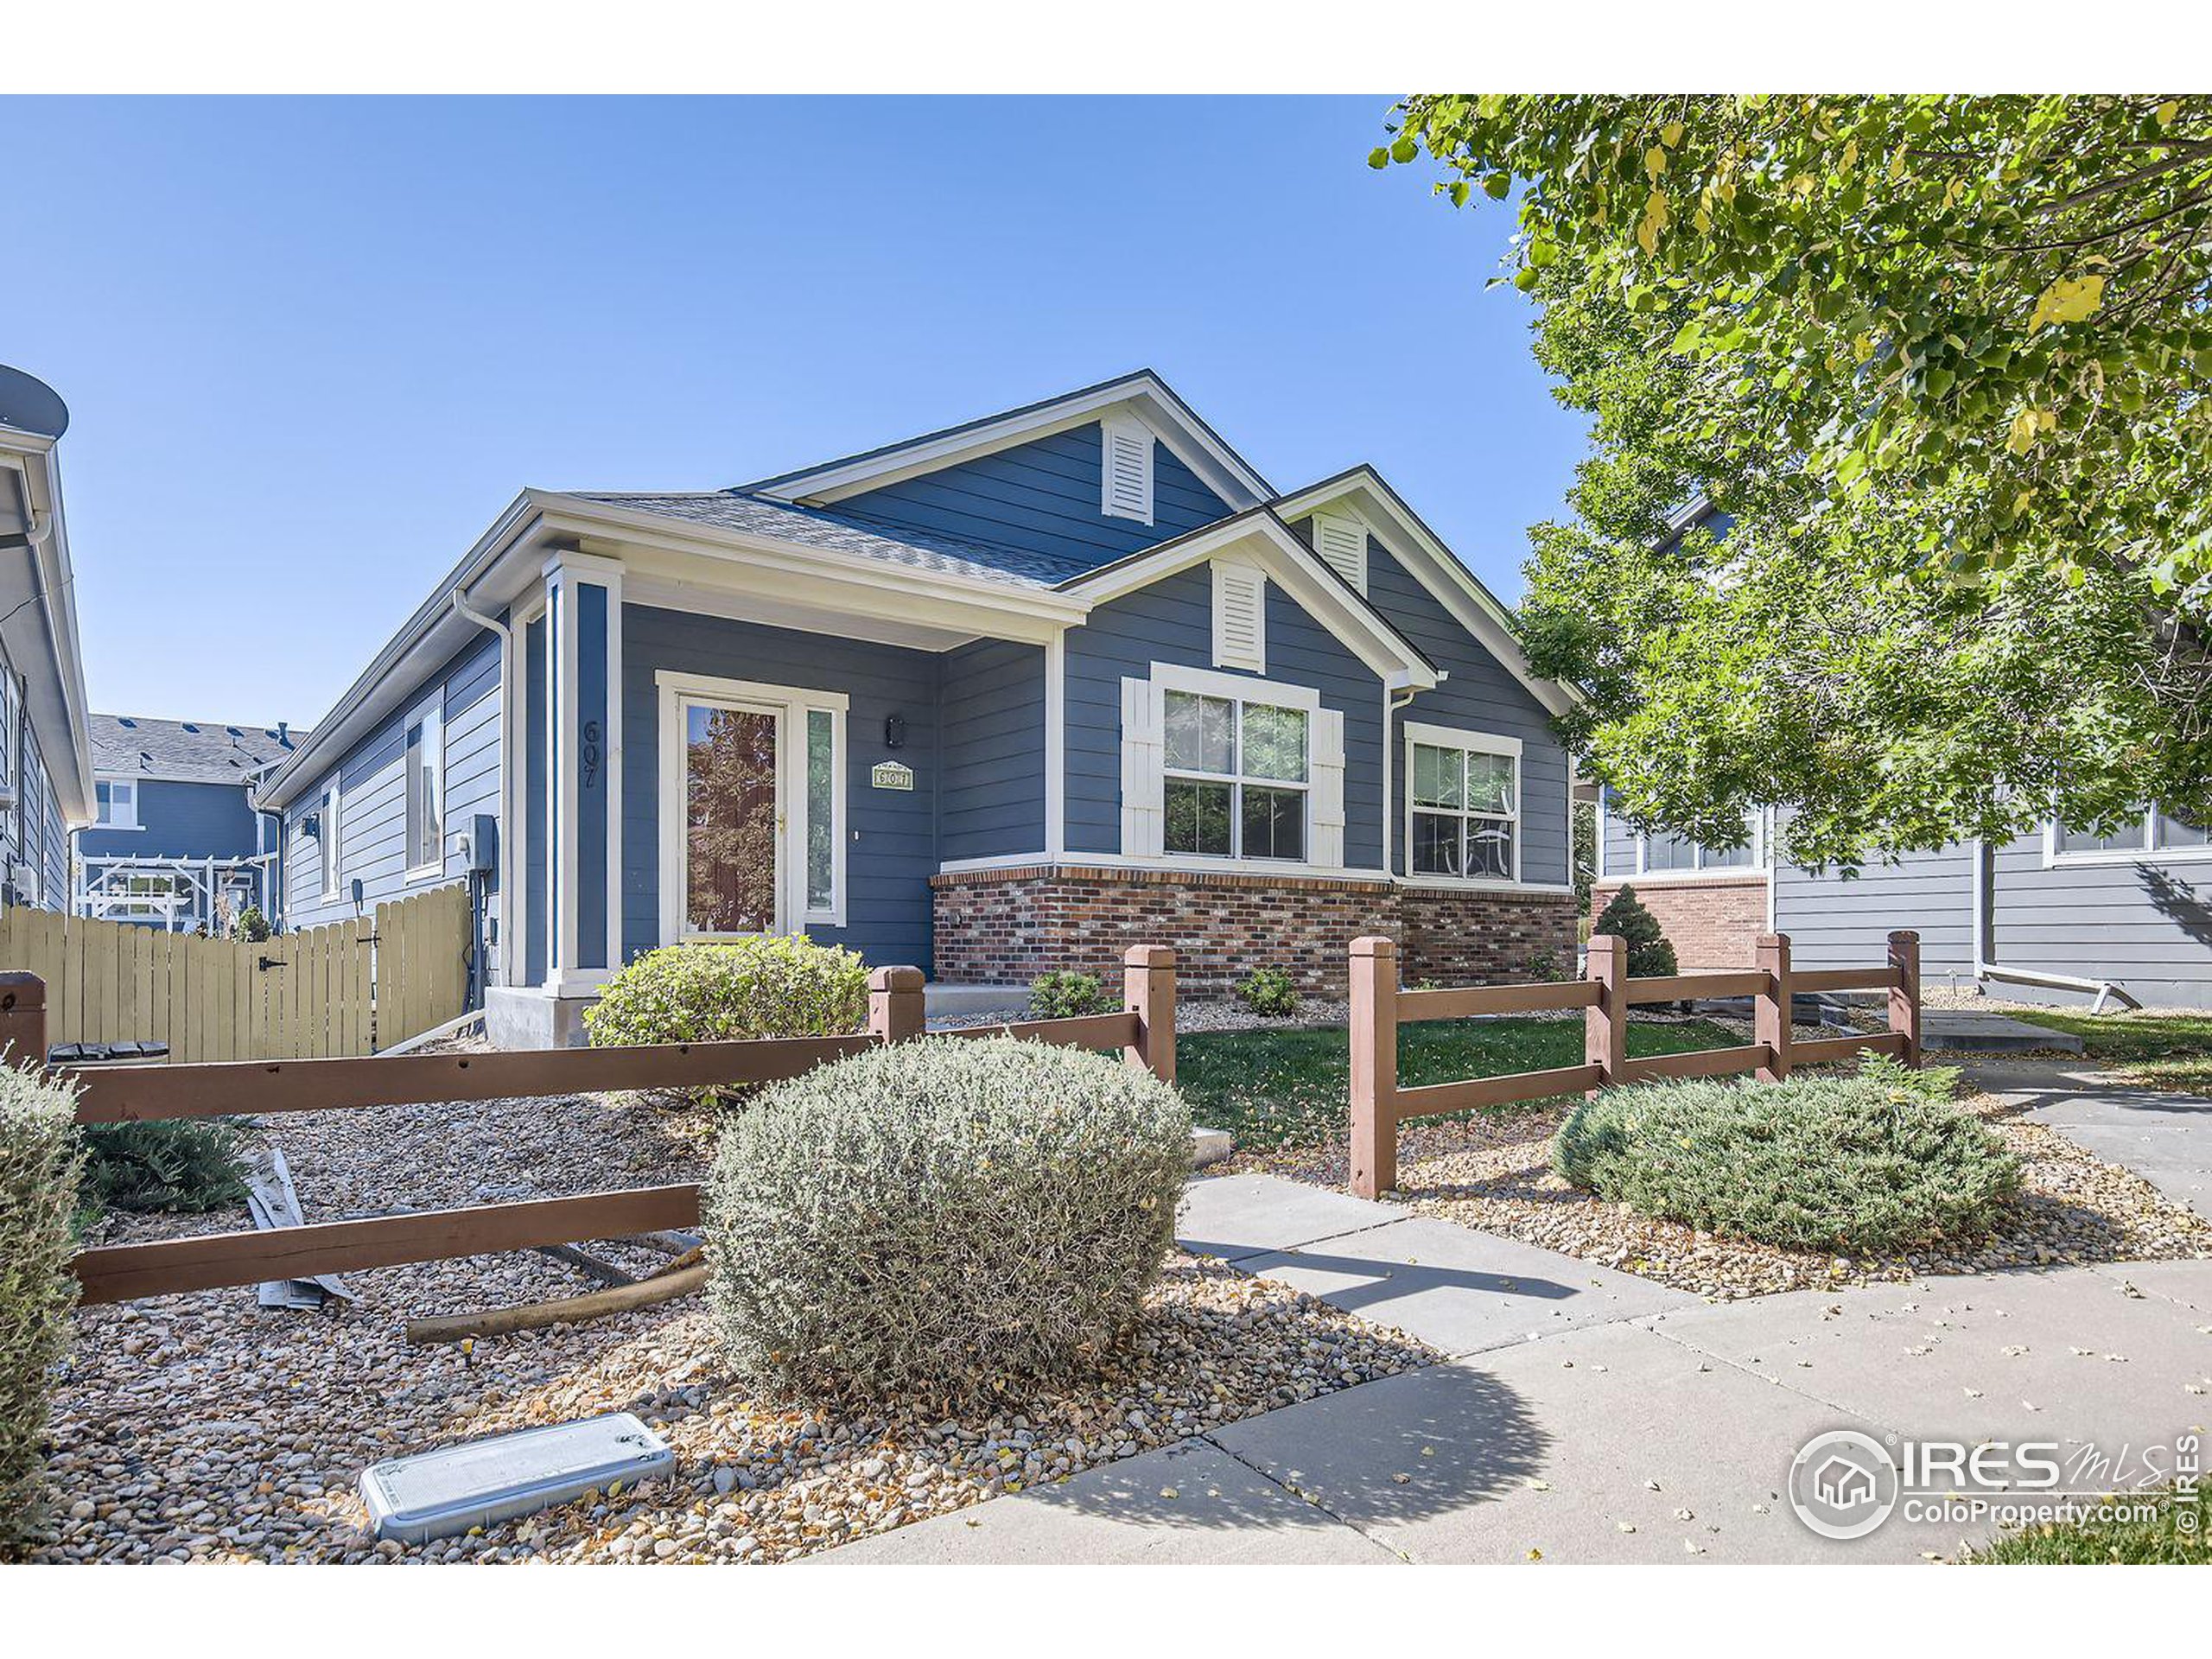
<point>39,1162</point>
<point>771,986</point>
<point>1876,1162</point>
<point>944,1217</point>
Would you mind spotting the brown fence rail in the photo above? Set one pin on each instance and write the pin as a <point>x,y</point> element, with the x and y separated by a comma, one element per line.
<point>1144,1032</point>
<point>1379,1007</point>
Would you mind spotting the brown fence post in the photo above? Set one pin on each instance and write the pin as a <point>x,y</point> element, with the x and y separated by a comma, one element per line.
<point>1904,991</point>
<point>1374,1066</point>
<point>894,1004</point>
<point>1148,992</point>
<point>1770,1018</point>
<point>22,1019</point>
<point>1604,1023</point>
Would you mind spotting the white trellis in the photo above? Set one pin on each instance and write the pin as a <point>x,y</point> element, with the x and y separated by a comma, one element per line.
<point>180,894</point>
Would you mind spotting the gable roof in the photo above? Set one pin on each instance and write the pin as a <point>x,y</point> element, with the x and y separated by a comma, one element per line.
<point>1141,392</point>
<point>187,750</point>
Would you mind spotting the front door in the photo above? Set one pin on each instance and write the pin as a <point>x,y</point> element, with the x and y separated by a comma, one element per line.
<point>733,818</point>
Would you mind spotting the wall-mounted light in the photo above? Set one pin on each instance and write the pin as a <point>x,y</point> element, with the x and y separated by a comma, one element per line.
<point>894,731</point>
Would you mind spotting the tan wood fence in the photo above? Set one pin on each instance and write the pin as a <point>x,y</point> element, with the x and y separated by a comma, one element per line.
<point>1144,1033</point>
<point>350,988</point>
<point>1379,1105</point>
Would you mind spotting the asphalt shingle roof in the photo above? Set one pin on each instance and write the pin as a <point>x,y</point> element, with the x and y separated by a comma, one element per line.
<point>186,751</point>
<point>813,527</point>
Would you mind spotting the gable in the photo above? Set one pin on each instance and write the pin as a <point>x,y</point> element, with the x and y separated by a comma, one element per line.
<point>1046,496</point>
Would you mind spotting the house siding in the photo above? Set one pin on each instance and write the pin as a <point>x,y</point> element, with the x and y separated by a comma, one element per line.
<point>2146,924</point>
<point>36,832</point>
<point>1838,921</point>
<point>372,811</point>
<point>890,835</point>
<point>993,720</point>
<point>179,820</point>
<point>1043,496</point>
<point>1171,621</point>
<point>1479,692</point>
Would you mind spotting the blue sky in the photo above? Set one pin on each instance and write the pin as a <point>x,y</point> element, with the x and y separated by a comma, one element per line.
<point>313,348</point>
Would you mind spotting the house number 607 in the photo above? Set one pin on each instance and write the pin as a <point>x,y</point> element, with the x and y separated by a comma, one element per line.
<point>590,753</point>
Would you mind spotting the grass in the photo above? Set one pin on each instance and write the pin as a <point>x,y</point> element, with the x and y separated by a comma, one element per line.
<point>2154,1048</point>
<point>2174,1536</point>
<point>1292,1087</point>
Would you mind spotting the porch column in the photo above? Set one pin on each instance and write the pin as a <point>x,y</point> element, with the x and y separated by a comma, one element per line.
<point>583,666</point>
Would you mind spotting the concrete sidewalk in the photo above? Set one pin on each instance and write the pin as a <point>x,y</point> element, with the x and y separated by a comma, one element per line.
<point>2165,1138</point>
<point>1588,1415</point>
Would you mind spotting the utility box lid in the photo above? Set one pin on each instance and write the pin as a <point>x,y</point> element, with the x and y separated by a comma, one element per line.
<point>479,1483</point>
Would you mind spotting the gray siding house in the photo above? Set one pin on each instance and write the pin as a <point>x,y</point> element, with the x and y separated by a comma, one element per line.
<point>46,766</point>
<point>1006,696</point>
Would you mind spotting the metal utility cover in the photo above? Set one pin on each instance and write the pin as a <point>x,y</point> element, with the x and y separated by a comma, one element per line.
<point>441,1493</point>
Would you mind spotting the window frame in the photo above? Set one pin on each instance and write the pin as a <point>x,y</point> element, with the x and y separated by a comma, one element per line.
<point>2152,851</point>
<point>430,714</point>
<point>1468,741</point>
<point>1750,869</point>
<point>110,783</point>
<point>1303,700</point>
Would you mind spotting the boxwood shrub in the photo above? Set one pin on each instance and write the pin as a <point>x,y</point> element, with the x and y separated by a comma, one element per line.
<point>39,1162</point>
<point>944,1218</point>
<point>1065,993</point>
<point>1876,1162</point>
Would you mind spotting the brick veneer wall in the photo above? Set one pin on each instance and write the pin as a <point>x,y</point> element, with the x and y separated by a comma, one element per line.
<point>1007,926</point>
<point>1713,922</point>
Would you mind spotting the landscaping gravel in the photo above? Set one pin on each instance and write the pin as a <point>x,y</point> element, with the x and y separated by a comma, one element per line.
<point>202,1427</point>
<point>1494,1173</point>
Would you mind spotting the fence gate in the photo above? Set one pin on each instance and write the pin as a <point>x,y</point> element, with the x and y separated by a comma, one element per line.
<point>349,987</point>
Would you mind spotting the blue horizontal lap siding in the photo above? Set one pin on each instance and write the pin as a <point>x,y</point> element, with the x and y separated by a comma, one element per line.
<point>992,710</point>
<point>1171,621</point>
<point>890,835</point>
<point>1043,496</point>
<point>1479,694</point>
<point>372,812</point>
<point>179,820</point>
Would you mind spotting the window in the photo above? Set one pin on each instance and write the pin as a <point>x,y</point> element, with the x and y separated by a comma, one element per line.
<point>2158,832</point>
<point>1240,616</point>
<point>118,799</point>
<point>1464,804</point>
<point>821,812</point>
<point>1676,854</point>
<point>151,895</point>
<point>1125,484</point>
<point>326,829</point>
<point>1237,776</point>
<point>1340,539</point>
<point>426,766</point>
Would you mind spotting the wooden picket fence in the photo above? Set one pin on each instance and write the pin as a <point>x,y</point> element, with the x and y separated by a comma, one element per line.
<point>1143,1032</point>
<point>1379,1104</point>
<point>349,987</point>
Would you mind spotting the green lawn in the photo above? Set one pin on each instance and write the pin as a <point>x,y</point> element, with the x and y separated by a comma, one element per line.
<point>1291,1087</point>
<point>2175,1537</point>
<point>2156,1048</point>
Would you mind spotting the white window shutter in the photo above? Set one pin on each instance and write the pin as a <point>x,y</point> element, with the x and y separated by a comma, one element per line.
<point>1125,486</point>
<point>1329,787</point>
<point>1143,829</point>
<point>1341,542</point>
<point>1240,616</point>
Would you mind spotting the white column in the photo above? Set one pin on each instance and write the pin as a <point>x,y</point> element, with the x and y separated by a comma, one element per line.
<point>583,658</point>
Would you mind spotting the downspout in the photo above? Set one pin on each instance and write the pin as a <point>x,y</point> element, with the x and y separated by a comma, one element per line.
<point>1986,969</point>
<point>480,904</point>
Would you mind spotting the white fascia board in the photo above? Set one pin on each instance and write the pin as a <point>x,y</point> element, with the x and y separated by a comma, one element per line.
<point>1262,538</point>
<point>1435,567</point>
<point>59,709</point>
<point>1145,396</point>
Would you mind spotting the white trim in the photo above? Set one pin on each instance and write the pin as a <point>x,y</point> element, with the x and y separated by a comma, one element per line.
<point>110,780</point>
<point>1472,743</point>
<point>1245,688</point>
<point>2149,852</point>
<point>1242,690</point>
<point>790,705</point>
<point>1056,743</point>
<point>1479,884</point>
<point>1114,501</point>
<point>1698,871</point>
<point>1349,526</point>
<point>611,748</point>
<point>1229,577</point>
<point>430,710</point>
<point>514,734</point>
<point>1460,737</point>
<point>330,850</point>
<point>1181,863</point>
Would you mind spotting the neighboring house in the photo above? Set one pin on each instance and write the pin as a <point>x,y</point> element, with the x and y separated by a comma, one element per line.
<point>2053,916</point>
<point>1004,697</point>
<point>46,768</point>
<point>176,842</point>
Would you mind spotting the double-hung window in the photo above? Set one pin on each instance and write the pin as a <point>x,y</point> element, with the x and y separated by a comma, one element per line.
<point>2157,833</point>
<point>426,766</point>
<point>118,799</point>
<point>1464,797</point>
<point>1237,776</point>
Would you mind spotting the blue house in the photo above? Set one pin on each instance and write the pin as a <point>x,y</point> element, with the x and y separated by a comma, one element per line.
<point>176,842</point>
<point>46,765</point>
<point>1003,697</point>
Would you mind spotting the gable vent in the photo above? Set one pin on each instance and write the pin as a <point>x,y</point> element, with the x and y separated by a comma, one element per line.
<point>1341,540</point>
<point>1126,488</point>
<point>1240,617</point>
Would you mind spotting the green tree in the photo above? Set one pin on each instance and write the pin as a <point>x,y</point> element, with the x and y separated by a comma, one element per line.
<point>1942,361</point>
<point>1650,955</point>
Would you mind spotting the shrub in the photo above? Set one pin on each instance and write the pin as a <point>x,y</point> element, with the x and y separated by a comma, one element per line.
<point>249,925</point>
<point>1545,967</point>
<point>1650,956</point>
<point>181,1166</point>
<point>1269,993</point>
<point>1873,1163</point>
<point>39,1162</point>
<point>766,986</point>
<point>1065,993</point>
<point>947,1217</point>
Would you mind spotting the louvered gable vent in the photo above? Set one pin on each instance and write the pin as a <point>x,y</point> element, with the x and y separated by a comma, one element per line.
<point>1126,487</point>
<point>1341,540</point>
<point>1240,616</point>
